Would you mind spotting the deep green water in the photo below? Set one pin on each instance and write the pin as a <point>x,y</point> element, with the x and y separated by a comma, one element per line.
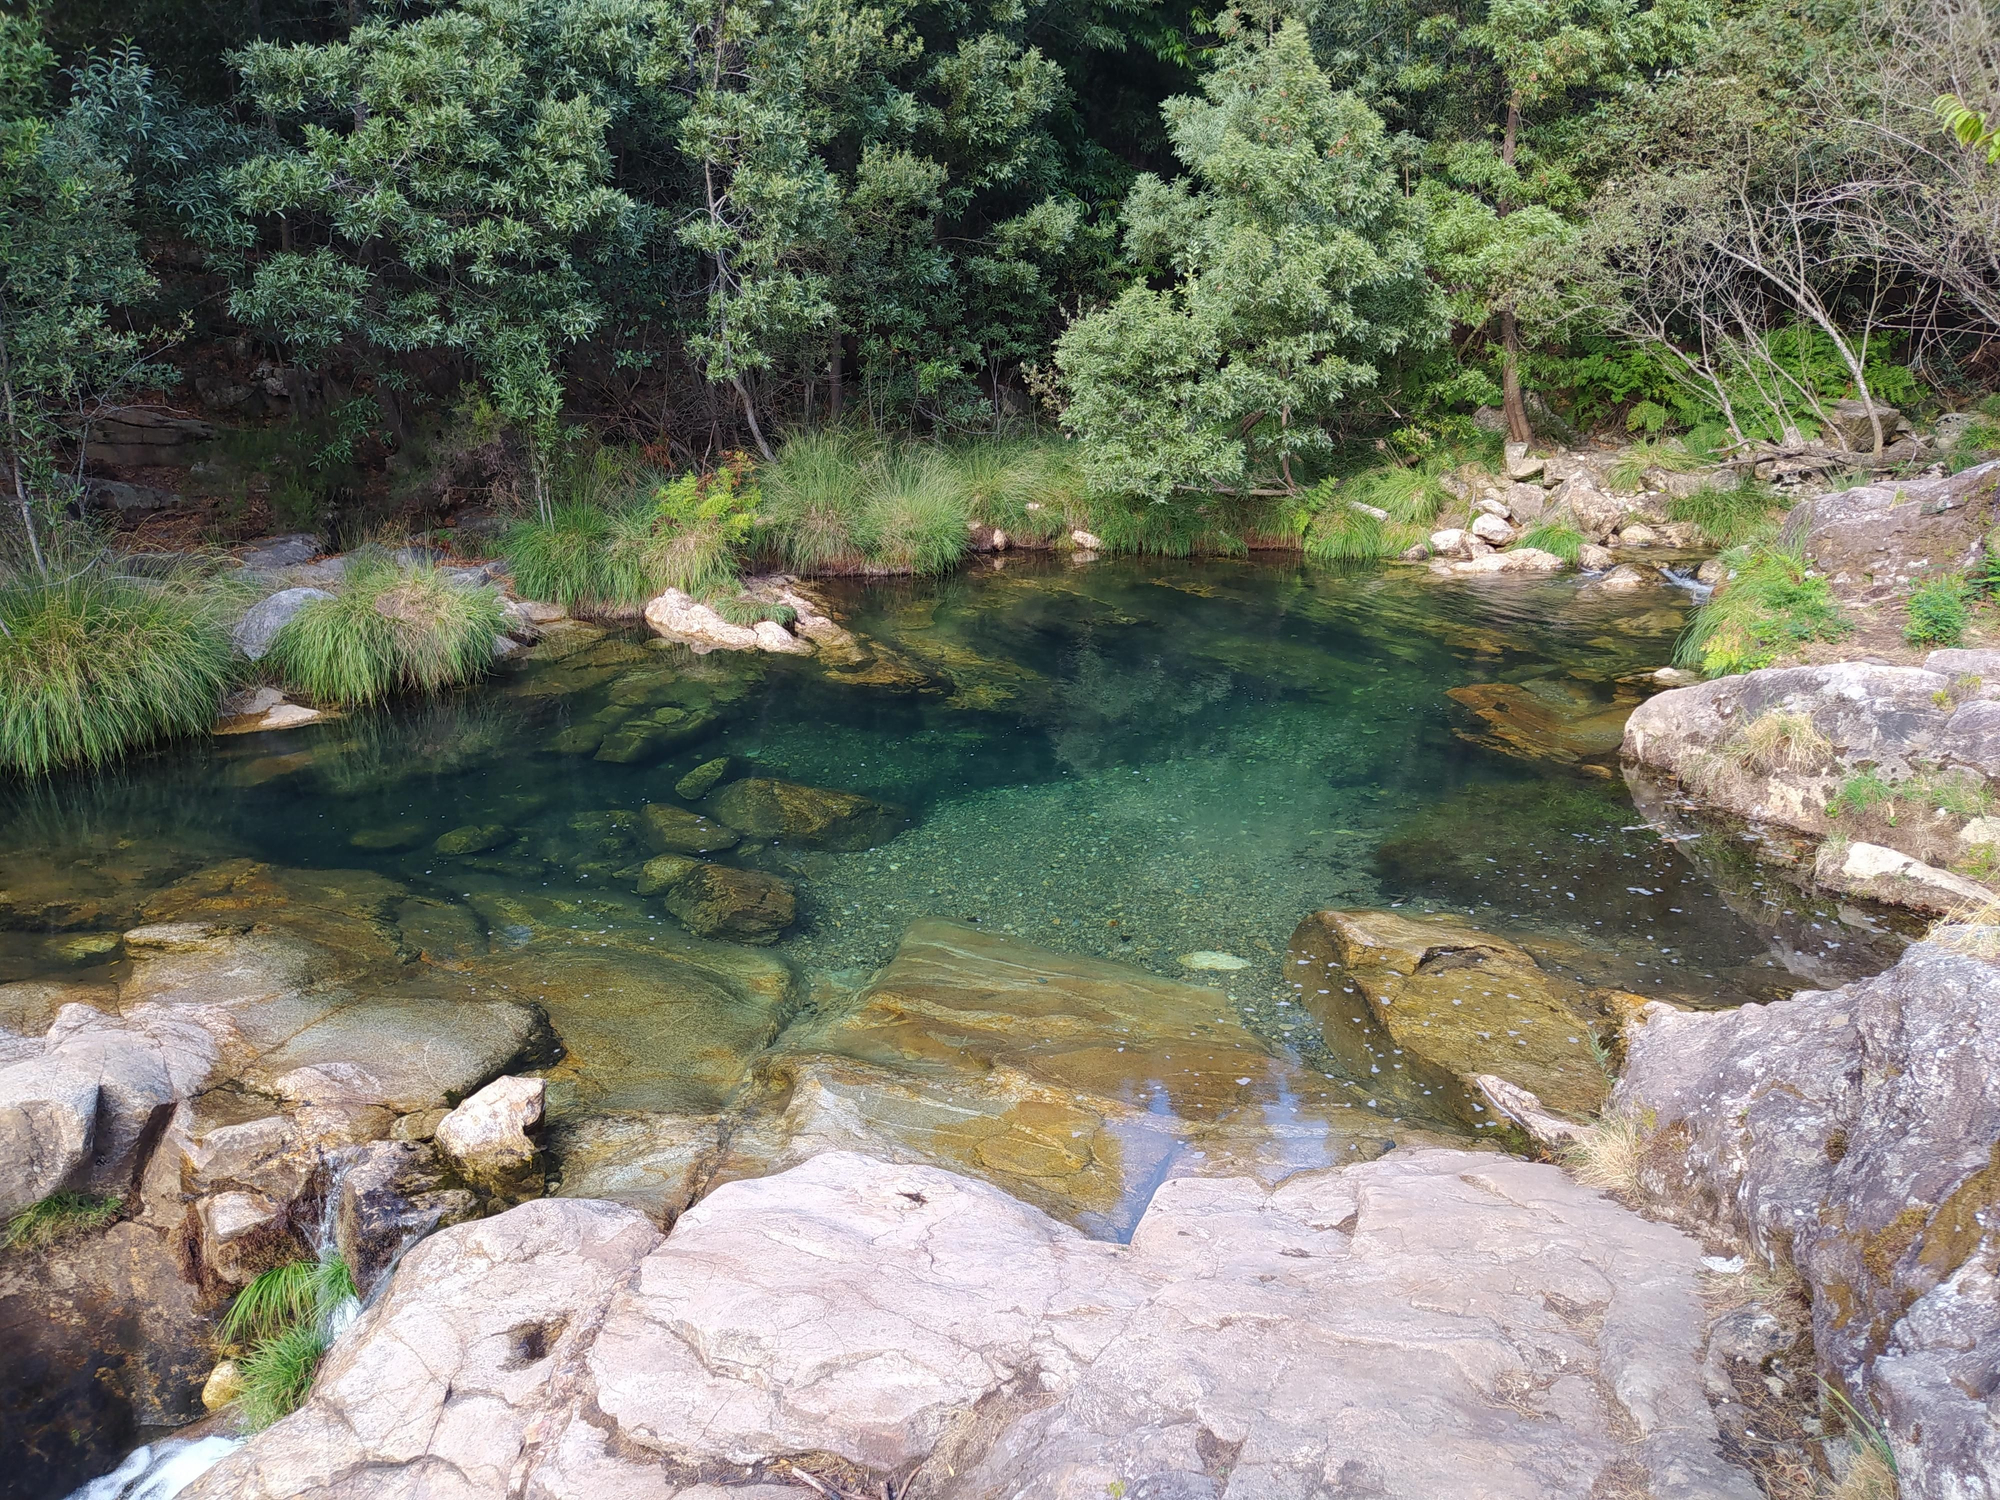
<point>1138,759</point>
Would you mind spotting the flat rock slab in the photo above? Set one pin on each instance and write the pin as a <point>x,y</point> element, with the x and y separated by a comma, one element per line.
<point>1394,1329</point>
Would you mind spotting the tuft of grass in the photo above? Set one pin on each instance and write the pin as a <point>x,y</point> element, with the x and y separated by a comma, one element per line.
<point>1871,1472</point>
<point>1340,533</point>
<point>388,627</point>
<point>1861,793</point>
<point>750,611</point>
<point>565,559</point>
<point>1629,469</point>
<point>1564,541</point>
<point>286,1316</point>
<point>1728,517</point>
<point>1938,611</point>
<point>1606,1155</point>
<point>816,497</point>
<point>1779,740</point>
<point>94,664</point>
<point>685,533</point>
<point>1772,604</point>
<point>1027,489</point>
<point>58,1217</point>
<point>917,515</point>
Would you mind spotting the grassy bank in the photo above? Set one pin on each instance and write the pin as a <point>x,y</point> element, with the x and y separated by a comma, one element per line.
<point>1771,604</point>
<point>389,628</point>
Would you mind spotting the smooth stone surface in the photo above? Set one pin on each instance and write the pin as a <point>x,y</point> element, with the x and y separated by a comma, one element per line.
<point>257,631</point>
<point>675,830</point>
<point>765,808</point>
<point>486,1137</point>
<point>720,901</point>
<point>1855,1133</point>
<point>1348,1331</point>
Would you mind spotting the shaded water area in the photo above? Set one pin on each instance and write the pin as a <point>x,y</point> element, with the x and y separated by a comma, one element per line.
<point>1149,771</point>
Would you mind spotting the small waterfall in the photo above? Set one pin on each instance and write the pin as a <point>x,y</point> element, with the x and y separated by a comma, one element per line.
<point>1695,587</point>
<point>160,1471</point>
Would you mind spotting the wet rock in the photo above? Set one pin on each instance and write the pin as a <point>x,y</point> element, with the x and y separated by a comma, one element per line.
<point>1544,719</point>
<point>1425,1005</point>
<point>474,838</point>
<point>486,1137</point>
<point>720,901</point>
<point>677,617</point>
<point>931,1321</point>
<point>255,710</point>
<point>389,1195</point>
<point>1514,560</point>
<point>660,874</point>
<point>1892,877</point>
<point>1854,1133</point>
<point>649,737</point>
<point>579,739</point>
<point>1627,577</point>
<point>651,1162</point>
<point>257,631</point>
<point>1075,1083</point>
<point>223,1386</point>
<point>699,782</point>
<point>770,809</point>
<point>1594,559</point>
<point>675,830</point>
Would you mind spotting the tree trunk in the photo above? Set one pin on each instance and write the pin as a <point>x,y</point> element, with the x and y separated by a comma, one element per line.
<point>834,379</point>
<point>750,413</point>
<point>1512,404</point>
<point>14,461</point>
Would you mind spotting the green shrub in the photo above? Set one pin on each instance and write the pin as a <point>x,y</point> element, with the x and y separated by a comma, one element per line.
<point>1564,541</point>
<point>58,1217</point>
<point>1938,611</point>
<point>95,664</point>
<point>566,559</point>
<point>1030,490</point>
<point>1629,469</point>
<point>285,1317</point>
<point>1772,604</point>
<point>686,534</point>
<point>1728,517</point>
<point>388,627</point>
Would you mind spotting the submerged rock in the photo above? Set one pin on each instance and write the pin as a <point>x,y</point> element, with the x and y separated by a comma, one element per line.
<point>1544,719</point>
<point>766,808</point>
<point>721,901</point>
<point>699,782</point>
<point>1854,1133</point>
<point>1297,1335</point>
<point>1440,1003</point>
<point>474,838</point>
<point>675,830</point>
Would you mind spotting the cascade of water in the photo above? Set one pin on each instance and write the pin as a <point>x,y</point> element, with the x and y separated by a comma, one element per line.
<point>160,1471</point>
<point>1698,590</point>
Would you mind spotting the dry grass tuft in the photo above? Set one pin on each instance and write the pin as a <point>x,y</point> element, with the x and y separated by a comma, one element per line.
<point>1606,1155</point>
<point>1780,740</point>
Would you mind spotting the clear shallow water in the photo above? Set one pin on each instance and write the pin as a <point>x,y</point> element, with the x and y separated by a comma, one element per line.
<point>1130,759</point>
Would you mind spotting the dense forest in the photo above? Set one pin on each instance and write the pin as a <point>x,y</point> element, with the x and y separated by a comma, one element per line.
<point>1206,276</point>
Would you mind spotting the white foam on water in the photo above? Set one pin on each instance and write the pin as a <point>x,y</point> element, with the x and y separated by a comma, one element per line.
<point>159,1471</point>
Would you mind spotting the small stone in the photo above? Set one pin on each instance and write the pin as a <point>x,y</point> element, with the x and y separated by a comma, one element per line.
<point>1638,535</point>
<point>1521,464</point>
<point>720,901</point>
<point>1450,542</point>
<point>223,1386</point>
<point>486,1137</point>
<point>1085,542</point>
<point>1594,559</point>
<point>1980,831</point>
<point>659,875</point>
<point>473,838</point>
<point>699,782</point>
<point>1712,572</point>
<point>1489,506</point>
<point>675,830</point>
<point>1492,529</point>
<point>1208,958</point>
<point>1628,576</point>
<point>85,947</point>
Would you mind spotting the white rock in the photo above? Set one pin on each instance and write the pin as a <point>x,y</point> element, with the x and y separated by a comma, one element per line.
<point>1086,542</point>
<point>1492,530</point>
<point>1515,560</point>
<point>1521,464</point>
<point>1891,875</point>
<point>1491,507</point>
<point>1638,535</point>
<point>1352,1323</point>
<point>486,1137</point>
<point>1980,831</point>
<point>1208,958</point>
<point>1593,558</point>
<point>1449,542</point>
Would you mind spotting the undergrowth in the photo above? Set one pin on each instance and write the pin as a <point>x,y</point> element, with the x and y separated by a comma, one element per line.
<point>1772,604</point>
<point>93,664</point>
<point>58,1217</point>
<point>1939,610</point>
<point>1564,541</point>
<point>388,627</point>
<point>1728,517</point>
<point>286,1317</point>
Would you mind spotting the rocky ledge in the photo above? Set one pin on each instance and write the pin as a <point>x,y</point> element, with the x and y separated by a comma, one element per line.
<point>853,1326</point>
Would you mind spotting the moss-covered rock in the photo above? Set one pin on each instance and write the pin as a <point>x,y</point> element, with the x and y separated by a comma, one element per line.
<point>675,830</point>
<point>766,808</point>
<point>720,901</point>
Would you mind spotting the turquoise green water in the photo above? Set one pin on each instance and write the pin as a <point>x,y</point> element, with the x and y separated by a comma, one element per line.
<point>1135,759</point>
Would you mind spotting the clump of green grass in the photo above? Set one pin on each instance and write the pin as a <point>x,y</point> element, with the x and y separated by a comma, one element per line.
<point>1779,740</point>
<point>751,611</point>
<point>816,498</point>
<point>1860,794</point>
<point>93,665</point>
<point>1728,517</point>
<point>1030,490</point>
<point>1771,605</point>
<point>60,1216</point>
<point>286,1317</point>
<point>566,559</point>
<point>388,627</point>
<point>917,516</point>
<point>1629,469</point>
<point>1556,537</point>
<point>1938,612</point>
<point>685,533</point>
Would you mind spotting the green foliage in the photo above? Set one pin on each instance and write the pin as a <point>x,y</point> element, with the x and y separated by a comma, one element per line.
<point>751,611</point>
<point>1629,470</point>
<point>816,495</point>
<point>1728,517</point>
<point>58,1217</point>
<point>388,628</point>
<point>1772,604</point>
<point>1294,268</point>
<point>1564,541</point>
<point>918,514</point>
<point>687,533</point>
<point>1861,793</point>
<point>1938,611</point>
<point>1029,490</point>
<point>565,558</point>
<point>284,1315</point>
<point>1967,126</point>
<point>93,664</point>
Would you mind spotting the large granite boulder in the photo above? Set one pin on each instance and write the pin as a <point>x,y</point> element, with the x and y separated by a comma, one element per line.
<point>1855,1134</point>
<point>1880,537</point>
<point>1392,1329</point>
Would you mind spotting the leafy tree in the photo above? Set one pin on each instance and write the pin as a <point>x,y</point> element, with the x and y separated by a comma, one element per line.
<point>448,189</point>
<point>1294,265</point>
<point>68,259</point>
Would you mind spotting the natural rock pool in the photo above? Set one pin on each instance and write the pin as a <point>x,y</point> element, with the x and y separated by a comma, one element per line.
<point>1152,770</point>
